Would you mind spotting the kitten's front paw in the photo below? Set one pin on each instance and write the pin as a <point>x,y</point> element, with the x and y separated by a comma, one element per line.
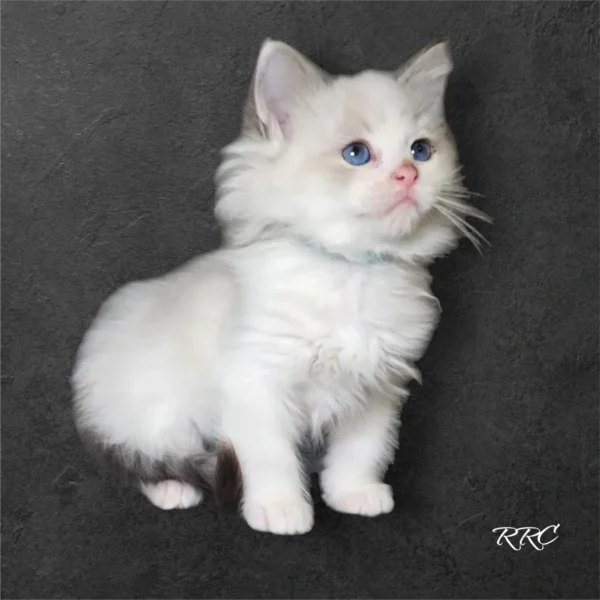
<point>369,501</point>
<point>171,494</point>
<point>289,517</point>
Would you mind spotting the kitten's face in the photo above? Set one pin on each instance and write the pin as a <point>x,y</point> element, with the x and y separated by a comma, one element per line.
<point>356,162</point>
<point>360,150</point>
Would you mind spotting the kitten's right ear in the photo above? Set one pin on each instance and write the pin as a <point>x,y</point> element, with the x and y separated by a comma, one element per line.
<point>282,78</point>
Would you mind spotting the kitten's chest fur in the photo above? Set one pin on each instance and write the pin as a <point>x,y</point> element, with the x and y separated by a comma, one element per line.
<point>370,325</point>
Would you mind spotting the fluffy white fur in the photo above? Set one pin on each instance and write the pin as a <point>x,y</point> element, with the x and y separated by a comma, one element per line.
<point>310,318</point>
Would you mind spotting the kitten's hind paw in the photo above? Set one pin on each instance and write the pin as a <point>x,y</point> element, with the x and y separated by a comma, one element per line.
<point>369,501</point>
<point>170,494</point>
<point>290,517</point>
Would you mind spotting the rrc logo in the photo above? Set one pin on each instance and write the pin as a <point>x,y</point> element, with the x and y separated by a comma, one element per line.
<point>516,537</point>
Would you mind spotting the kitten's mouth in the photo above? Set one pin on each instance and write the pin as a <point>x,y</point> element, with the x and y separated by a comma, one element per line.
<point>404,200</point>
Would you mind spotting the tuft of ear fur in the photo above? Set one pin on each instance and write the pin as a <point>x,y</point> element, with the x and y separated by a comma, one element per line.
<point>425,77</point>
<point>282,78</point>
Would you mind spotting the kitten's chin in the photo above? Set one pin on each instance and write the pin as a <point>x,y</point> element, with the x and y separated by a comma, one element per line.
<point>402,219</point>
<point>431,236</point>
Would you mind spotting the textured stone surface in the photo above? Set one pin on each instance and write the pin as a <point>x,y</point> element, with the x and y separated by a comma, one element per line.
<point>113,114</point>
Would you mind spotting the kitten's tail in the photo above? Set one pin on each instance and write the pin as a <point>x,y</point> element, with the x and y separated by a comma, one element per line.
<point>228,481</point>
<point>216,473</point>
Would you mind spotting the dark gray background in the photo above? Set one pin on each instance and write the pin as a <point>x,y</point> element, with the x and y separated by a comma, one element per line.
<point>113,117</point>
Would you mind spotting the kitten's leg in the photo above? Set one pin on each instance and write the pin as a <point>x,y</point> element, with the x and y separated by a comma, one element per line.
<point>264,434</point>
<point>174,480</point>
<point>170,494</point>
<point>360,450</point>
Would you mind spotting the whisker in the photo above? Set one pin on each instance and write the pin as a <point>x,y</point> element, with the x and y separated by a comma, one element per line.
<point>460,191</point>
<point>460,226</point>
<point>452,204</point>
<point>470,232</point>
<point>469,226</point>
<point>465,209</point>
<point>455,181</point>
<point>476,232</point>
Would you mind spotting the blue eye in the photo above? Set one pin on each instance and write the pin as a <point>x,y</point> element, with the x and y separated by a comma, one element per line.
<point>421,150</point>
<point>356,154</point>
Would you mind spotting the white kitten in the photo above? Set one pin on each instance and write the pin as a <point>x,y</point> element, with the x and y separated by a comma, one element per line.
<point>308,322</point>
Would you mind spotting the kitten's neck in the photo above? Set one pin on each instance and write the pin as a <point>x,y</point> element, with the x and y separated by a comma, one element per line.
<point>348,253</point>
<point>366,257</point>
<point>422,247</point>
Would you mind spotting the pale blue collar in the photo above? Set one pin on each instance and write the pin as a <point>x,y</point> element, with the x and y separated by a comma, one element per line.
<point>366,258</point>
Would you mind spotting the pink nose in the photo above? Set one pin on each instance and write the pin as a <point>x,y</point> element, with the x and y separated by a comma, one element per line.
<point>406,174</point>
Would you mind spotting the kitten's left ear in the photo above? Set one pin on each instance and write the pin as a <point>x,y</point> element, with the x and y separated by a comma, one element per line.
<point>425,77</point>
<point>282,78</point>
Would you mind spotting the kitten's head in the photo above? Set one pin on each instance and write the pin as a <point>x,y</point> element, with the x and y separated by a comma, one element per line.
<point>362,163</point>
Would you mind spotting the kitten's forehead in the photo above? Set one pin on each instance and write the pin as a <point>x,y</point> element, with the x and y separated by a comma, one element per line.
<point>371,89</point>
<point>364,103</point>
